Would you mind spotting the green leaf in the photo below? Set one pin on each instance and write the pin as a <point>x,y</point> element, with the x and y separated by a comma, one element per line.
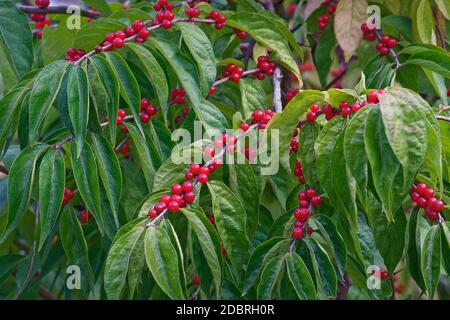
<point>230,218</point>
<point>209,242</point>
<point>253,96</point>
<point>423,22</point>
<point>445,246</point>
<point>129,87</point>
<point>405,128</point>
<point>245,185</point>
<point>413,257</point>
<point>78,102</point>
<point>109,171</point>
<point>287,120</point>
<point>85,174</point>
<point>201,49</point>
<point>323,55</point>
<point>43,94</point>
<point>269,277</point>
<point>8,263</point>
<point>349,16</point>
<point>390,238</point>
<point>10,106</point>
<point>433,59</point>
<point>93,33</point>
<point>75,246</point>
<point>386,169</point>
<point>16,35</point>
<point>306,154</point>
<point>143,153</point>
<point>333,173</point>
<point>118,263</point>
<point>111,85</point>
<point>266,31</point>
<point>330,233</point>
<point>300,277</point>
<point>162,260</point>
<point>51,191</point>
<point>431,259</point>
<point>444,7</point>
<point>379,73</point>
<point>272,248</point>
<point>156,74</point>
<point>323,268</point>
<point>20,184</point>
<point>99,5</point>
<point>185,70</point>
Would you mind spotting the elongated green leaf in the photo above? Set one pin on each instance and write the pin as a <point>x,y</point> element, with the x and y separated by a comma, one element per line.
<point>286,122</point>
<point>118,263</point>
<point>231,223</point>
<point>405,128</point>
<point>324,270</point>
<point>15,33</point>
<point>329,231</point>
<point>101,6</point>
<point>156,73</point>
<point>162,260</point>
<point>300,277</point>
<point>85,174</point>
<point>51,191</point>
<point>129,87</point>
<point>323,55</point>
<point>431,259</point>
<point>93,33</point>
<point>78,102</point>
<point>10,107</point>
<point>386,169</point>
<point>270,249</point>
<point>185,70</point>
<point>306,154</point>
<point>75,246</point>
<point>245,184</point>
<point>45,89</point>
<point>143,152</point>
<point>201,49</point>
<point>269,278</point>
<point>253,96</point>
<point>20,183</point>
<point>109,171</point>
<point>111,85</point>
<point>209,242</point>
<point>413,255</point>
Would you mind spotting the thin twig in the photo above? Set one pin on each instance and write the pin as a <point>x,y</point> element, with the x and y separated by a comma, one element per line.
<point>276,81</point>
<point>58,9</point>
<point>3,169</point>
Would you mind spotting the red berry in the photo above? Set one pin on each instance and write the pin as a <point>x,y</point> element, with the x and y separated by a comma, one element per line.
<point>302,214</point>
<point>144,117</point>
<point>118,43</point>
<point>311,117</point>
<point>187,186</point>
<point>302,196</point>
<point>212,91</point>
<point>195,168</point>
<point>258,115</point>
<point>166,24</point>
<point>372,97</point>
<point>151,110</point>
<point>160,207</point>
<point>428,193</point>
<point>209,152</point>
<point>297,233</point>
<point>438,206</point>
<point>421,188</point>
<point>177,189</point>
<point>129,32</point>
<point>310,193</point>
<point>196,280</point>
<point>204,170</point>
<point>303,204</point>
<point>315,108</point>
<point>137,25</point>
<point>214,15</point>
<point>120,35</point>
<point>392,43</point>
<point>152,213</point>
<point>315,201</point>
<point>355,107</point>
<point>42,3</point>
<point>384,51</point>
<point>244,126</point>
<point>144,33</point>
<point>165,199</point>
<point>218,26</point>
<point>189,197</point>
<point>203,178</point>
<point>121,113</point>
<point>173,206</point>
<point>421,202</point>
<point>211,219</point>
<point>384,274</point>
<point>189,175</point>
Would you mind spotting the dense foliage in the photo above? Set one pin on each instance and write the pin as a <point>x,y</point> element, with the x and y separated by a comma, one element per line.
<point>337,123</point>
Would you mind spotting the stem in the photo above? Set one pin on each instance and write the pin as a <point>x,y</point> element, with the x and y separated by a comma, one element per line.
<point>57,9</point>
<point>245,73</point>
<point>292,245</point>
<point>59,144</point>
<point>45,294</point>
<point>248,52</point>
<point>195,294</point>
<point>3,169</point>
<point>276,81</point>
<point>442,118</point>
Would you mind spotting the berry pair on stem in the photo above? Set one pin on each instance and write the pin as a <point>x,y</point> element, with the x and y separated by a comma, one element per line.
<point>233,72</point>
<point>306,199</point>
<point>385,44</point>
<point>147,110</point>
<point>265,66</point>
<point>177,96</point>
<point>259,116</point>
<point>220,19</point>
<point>68,195</point>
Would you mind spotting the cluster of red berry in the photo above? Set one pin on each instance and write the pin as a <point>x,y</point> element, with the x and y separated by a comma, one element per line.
<point>85,216</point>
<point>41,20</point>
<point>298,172</point>
<point>240,34</point>
<point>137,28</point>
<point>220,19</point>
<point>68,195</point>
<point>306,199</point>
<point>265,66</point>
<point>384,45</point>
<point>147,110</point>
<point>259,116</point>
<point>117,39</point>
<point>192,12</point>
<point>164,15</point>
<point>74,54</point>
<point>330,5</point>
<point>183,115</point>
<point>291,93</point>
<point>293,147</point>
<point>424,198</point>
<point>233,72</point>
<point>177,96</point>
